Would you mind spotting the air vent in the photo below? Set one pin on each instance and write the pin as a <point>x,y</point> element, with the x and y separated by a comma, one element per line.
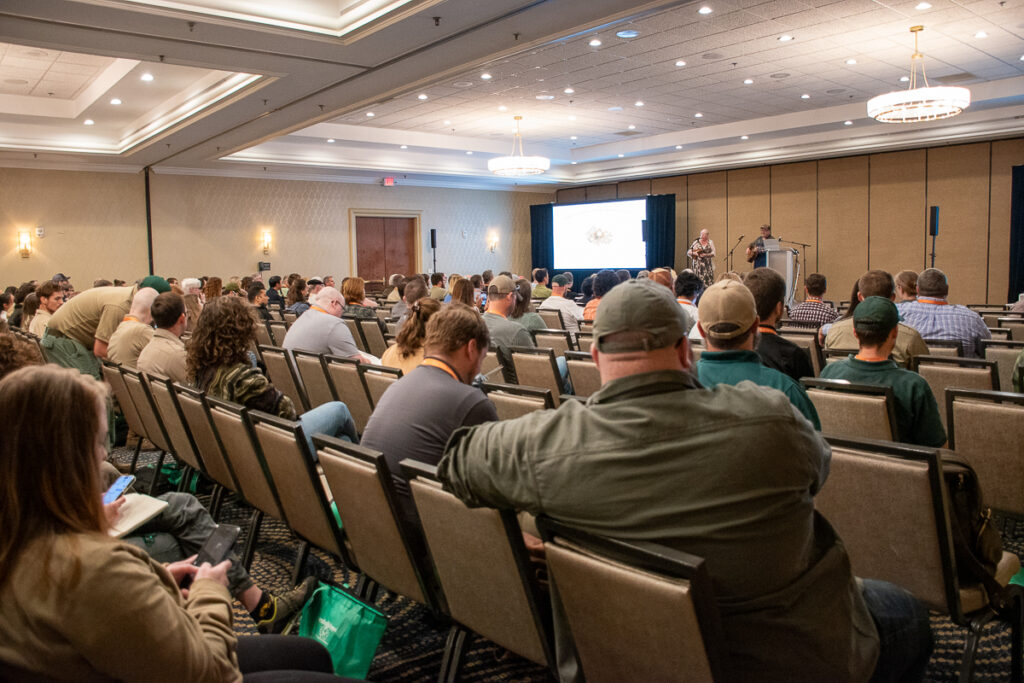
<point>712,55</point>
<point>954,78</point>
<point>462,84</point>
<point>835,91</point>
<point>781,74</point>
<point>627,133</point>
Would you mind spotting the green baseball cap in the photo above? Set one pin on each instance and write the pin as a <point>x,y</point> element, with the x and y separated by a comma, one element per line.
<point>643,307</point>
<point>876,313</point>
<point>156,282</point>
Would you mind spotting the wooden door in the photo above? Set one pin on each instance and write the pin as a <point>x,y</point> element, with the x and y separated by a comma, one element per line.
<point>385,245</point>
<point>399,246</point>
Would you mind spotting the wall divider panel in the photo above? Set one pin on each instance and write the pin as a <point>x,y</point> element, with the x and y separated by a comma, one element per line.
<point>749,207</point>
<point>794,216</point>
<point>897,225</point>
<point>707,207</point>
<point>842,223</point>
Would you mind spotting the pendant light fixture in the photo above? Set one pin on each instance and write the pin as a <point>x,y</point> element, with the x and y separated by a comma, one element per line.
<point>517,164</point>
<point>918,104</point>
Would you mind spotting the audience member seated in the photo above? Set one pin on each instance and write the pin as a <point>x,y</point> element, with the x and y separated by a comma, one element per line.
<point>354,290</point>
<point>214,288</point>
<point>296,302</point>
<point>909,342</point>
<point>164,355</point>
<point>392,293</point>
<point>413,289</point>
<point>18,313</point>
<point>812,311</point>
<point>906,286</point>
<point>219,362</point>
<point>917,415</point>
<point>769,290</point>
<point>29,309</point>
<point>521,312</point>
<point>453,279</point>
<point>322,330</point>
<point>479,292</point>
<point>586,292</point>
<point>274,296</point>
<point>604,280</point>
<point>663,276</point>
<point>76,604</point>
<point>728,323</point>
<point>540,288</point>
<point>935,318</point>
<point>193,290</point>
<point>437,290</point>
<point>134,331</point>
<point>571,313</point>
<point>462,292</point>
<point>653,456</point>
<point>6,306</point>
<point>418,413</point>
<point>501,299</point>
<point>50,299</point>
<point>687,286</point>
<point>257,298</point>
<point>313,287</point>
<point>407,351</point>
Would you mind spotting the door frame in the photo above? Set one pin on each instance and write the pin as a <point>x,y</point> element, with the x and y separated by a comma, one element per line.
<point>353,214</point>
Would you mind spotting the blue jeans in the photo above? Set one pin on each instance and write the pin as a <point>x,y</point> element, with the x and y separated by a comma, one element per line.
<point>332,419</point>
<point>904,633</point>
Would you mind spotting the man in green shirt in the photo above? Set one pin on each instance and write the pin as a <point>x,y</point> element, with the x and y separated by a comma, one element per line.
<point>727,319</point>
<point>876,325</point>
<point>540,284</point>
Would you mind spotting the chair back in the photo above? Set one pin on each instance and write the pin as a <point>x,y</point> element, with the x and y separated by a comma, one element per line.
<point>947,372</point>
<point>348,387</point>
<point>833,355</point>
<point>853,410</point>
<point>275,314</point>
<point>552,318</point>
<point>112,374</point>
<point>1016,326</point>
<point>231,424</point>
<point>379,537</point>
<point>559,341</point>
<point>808,341</point>
<point>263,337</point>
<point>289,316</point>
<point>1004,353</point>
<point>290,466</point>
<point>377,379</point>
<point>945,347</point>
<point>139,390</point>
<point>483,568</point>
<point>637,611</point>
<point>584,340</point>
<point>277,329</point>
<point>987,429</point>
<point>512,400</point>
<point>357,333</point>
<point>491,365</point>
<point>282,374</point>
<point>196,415</point>
<point>583,373</point>
<point>373,332</point>
<point>537,368</point>
<point>178,434</point>
<point>1002,333</point>
<point>991,317</point>
<point>311,371</point>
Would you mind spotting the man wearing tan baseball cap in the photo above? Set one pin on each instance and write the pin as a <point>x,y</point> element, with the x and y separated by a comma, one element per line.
<point>652,455</point>
<point>728,322</point>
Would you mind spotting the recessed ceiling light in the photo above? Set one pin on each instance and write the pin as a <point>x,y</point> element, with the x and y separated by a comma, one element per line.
<point>981,34</point>
<point>502,107</point>
<point>621,155</point>
<point>698,115</point>
<point>15,81</point>
<point>447,122</point>
<point>785,38</point>
<point>421,96</point>
<point>572,118</point>
<point>847,123</point>
<point>572,137</point>
<point>370,114</point>
<point>485,76</point>
<point>616,108</point>
<point>594,43</point>
<point>469,152</point>
<point>330,140</point>
<point>705,10</point>
<point>851,61</point>
<point>631,127</point>
<point>404,147</point>
<point>679,146</point>
<point>748,81</point>
<point>115,101</point>
<point>568,91</point>
<point>573,163</point>
<point>904,79</point>
<point>680,63</point>
<point>1022,58</point>
<point>146,76</point>
<point>545,97</point>
<point>923,6</point>
<point>744,137</point>
<point>628,33</point>
<point>805,96</point>
<point>638,103</point>
<point>88,122</point>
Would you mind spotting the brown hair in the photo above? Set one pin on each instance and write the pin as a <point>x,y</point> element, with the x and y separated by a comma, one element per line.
<point>462,291</point>
<point>48,467</point>
<point>224,333</point>
<point>815,284</point>
<point>296,292</point>
<point>768,289</point>
<point>16,354</point>
<point>167,308</point>
<point>414,331</point>
<point>354,290</point>
<point>663,277</point>
<point>876,283</point>
<point>212,290</point>
<point>907,281</point>
<point>522,298</point>
<point>453,327</point>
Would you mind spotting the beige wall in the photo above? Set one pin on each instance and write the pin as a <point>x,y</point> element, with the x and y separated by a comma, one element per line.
<point>859,212</point>
<point>96,225</point>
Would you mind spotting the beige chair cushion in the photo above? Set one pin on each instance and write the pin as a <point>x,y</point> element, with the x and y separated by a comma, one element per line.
<point>510,406</point>
<point>854,415</point>
<point>280,375</point>
<point>555,342</point>
<point>586,378</point>
<point>533,370</point>
<point>349,386</point>
<point>124,399</point>
<point>991,436</point>
<point>145,409</point>
<point>1005,359</point>
<point>177,432</point>
<point>241,452</point>
<point>206,441</point>
<point>941,376</point>
<point>318,391</point>
<point>377,383</point>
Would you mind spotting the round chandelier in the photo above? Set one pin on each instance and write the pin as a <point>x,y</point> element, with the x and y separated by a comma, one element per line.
<point>919,104</point>
<point>517,164</point>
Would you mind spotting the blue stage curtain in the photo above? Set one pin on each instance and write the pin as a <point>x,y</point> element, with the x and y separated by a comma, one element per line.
<point>1017,236</point>
<point>542,220</point>
<point>661,231</point>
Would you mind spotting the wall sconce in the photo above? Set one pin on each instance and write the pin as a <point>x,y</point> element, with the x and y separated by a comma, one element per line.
<point>267,241</point>
<point>24,243</point>
<point>492,242</point>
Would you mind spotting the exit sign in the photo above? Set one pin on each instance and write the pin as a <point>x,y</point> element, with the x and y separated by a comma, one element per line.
<point>389,181</point>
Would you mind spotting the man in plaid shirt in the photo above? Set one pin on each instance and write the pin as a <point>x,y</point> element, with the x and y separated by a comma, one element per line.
<point>813,312</point>
<point>936,318</point>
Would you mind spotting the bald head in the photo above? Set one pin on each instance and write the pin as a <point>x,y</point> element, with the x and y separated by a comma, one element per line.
<point>142,304</point>
<point>331,300</point>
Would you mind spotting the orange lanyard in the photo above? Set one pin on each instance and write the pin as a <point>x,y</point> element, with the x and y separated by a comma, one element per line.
<point>814,299</point>
<point>131,317</point>
<point>764,329</point>
<point>438,363</point>
<point>317,308</point>
<point>682,300</point>
<point>869,360</point>
<point>933,302</point>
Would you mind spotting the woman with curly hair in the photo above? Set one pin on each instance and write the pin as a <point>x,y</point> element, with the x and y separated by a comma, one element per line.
<point>220,363</point>
<point>408,350</point>
<point>212,289</point>
<point>296,300</point>
<point>354,291</point>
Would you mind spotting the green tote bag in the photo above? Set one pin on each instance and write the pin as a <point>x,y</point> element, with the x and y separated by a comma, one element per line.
<point>350,630</point>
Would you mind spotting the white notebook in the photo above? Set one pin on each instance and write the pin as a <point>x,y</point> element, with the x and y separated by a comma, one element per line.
<point>138,509</point>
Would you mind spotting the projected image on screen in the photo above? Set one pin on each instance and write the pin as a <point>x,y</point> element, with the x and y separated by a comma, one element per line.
<point>602,235</point>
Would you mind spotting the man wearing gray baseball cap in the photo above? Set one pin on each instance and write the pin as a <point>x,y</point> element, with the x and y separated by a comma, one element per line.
<point>727,474</point>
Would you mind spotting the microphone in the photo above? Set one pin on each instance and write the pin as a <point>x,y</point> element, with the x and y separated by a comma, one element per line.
<point>742,236</point>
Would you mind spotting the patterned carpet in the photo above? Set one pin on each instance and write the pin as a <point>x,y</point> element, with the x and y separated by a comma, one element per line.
<point>413,643</point>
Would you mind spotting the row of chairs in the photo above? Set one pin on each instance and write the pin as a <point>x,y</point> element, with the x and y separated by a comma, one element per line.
<point>370,335</point>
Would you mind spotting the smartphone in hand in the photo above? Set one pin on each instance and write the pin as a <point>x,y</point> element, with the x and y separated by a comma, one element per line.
<point>216,548</point>
<point>118,488</point>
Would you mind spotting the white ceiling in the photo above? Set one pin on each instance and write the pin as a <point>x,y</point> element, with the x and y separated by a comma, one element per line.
<point>312,86</point>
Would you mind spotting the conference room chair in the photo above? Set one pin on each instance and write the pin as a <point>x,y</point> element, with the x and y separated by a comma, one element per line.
<point>303,498</point>
<point>637,611</point>
<point>357,333</point>
<point>392,326</point>
<point>1000,333</point>
<point>263,337</point>
<point>587,326</point>
<point>583,373</point>
<point>945,347</point>
<point>537,368</point>
<point>277,330</point>
<point>1016,326</point>
<point>888,502</point>
<point>1004,352</point>
<point>348,387</point>
<point>165,404</point>
<point>808,341</point>
<point>282,374</point>
<point>832,355</point>
<point>373,333</point>
<point>313,375</point>
<point>275,313</point>
<point>558,341</point>
<point>377,379</point>
<point>552,318</point>
<point>485,574</point>
<point>139,391</point>
<point>584,340</point>
<point>513,400</point>
<point>388,549</point>
<point>196,415</point>
<point>853,410</point>
<point>492,369</point>
<point>946,372</point>
<point>991,317</point>
<point>112,375</point>
<point>289,317</point>
<point>987,429</point>
<point>383,313</point>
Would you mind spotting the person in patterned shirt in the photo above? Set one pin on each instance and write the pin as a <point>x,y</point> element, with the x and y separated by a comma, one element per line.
<point>812,311</point>
<point>935,318</point>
